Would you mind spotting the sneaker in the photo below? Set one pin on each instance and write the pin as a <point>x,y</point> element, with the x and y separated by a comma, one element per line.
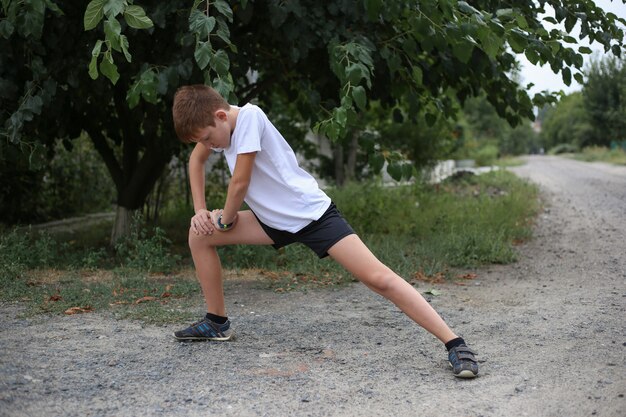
<point>206,329</point>
<point>463,362</point>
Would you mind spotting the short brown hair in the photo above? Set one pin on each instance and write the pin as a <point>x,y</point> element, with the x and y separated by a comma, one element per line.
<point>194,107</point>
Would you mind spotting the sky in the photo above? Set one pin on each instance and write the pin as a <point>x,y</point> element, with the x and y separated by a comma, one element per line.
<point>545,79</point>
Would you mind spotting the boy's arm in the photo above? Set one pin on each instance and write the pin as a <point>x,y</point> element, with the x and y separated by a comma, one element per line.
<point>238,187</point>
<point>201,221</point>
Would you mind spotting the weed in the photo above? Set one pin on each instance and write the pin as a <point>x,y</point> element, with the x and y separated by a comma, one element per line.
<point>616,155</point>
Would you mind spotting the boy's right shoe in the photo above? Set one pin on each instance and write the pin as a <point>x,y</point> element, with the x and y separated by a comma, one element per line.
<point>206,329</point>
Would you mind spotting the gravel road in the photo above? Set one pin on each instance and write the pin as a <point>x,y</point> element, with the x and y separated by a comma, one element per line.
<point>550,332</point>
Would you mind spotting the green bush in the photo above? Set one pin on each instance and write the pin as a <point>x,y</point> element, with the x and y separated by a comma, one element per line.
<point>486,155</point>
<point>614,155</point>
<point>563,148</point>
<point>146,251</point>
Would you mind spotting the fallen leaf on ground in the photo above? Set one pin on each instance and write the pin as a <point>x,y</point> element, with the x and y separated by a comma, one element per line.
<point>55,297</point>
<point>436,278</point>
<point>467,276</point>
<point>144,299</point>
<point>76,310</point>
<point>433,292</point>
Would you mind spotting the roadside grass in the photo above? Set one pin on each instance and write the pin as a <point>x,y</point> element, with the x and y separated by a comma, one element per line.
<point>602,154</point>
<point>509,161</point>
<point>422,232</point>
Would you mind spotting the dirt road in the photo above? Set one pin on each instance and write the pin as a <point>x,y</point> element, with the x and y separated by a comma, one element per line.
<point>550,331</point>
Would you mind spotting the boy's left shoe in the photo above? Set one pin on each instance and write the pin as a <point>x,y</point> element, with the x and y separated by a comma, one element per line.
<point>206,329</point>
<point>463,362</point>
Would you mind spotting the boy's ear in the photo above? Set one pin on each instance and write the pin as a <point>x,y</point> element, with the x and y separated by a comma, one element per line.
<point>221,114</point>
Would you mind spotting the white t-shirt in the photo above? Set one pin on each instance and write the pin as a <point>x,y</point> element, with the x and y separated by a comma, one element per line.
<point>281,194</point>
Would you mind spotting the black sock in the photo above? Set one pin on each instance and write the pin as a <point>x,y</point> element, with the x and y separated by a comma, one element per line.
<point>216,319</point>
<point>454,343</point>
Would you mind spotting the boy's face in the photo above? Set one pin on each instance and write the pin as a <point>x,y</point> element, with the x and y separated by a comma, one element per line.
<point>217,136</point>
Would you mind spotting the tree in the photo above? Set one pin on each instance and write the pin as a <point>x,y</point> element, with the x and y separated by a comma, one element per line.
<point>46,52</point>
<point>110,68</point>
<point>567,123</point>
<point>604,101</point>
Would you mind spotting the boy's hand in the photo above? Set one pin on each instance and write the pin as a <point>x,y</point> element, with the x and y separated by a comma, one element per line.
<point>202,223</point>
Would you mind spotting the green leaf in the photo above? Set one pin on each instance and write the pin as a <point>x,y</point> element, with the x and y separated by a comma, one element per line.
<point>360,98</point>
<point>224,9</point>
<point>136,18</point>
<point>570,22</point>
<point>504,13</point>
<point>554,46</point>
<point>33,104</point>
<point>93,14</point>
<point>149,84</point>
<point>567,76</point>
<point>532,56</point>
<point>617,50</point>
<point>93,65</point>
<point>113,7</point>
<point>201,24</point>
<point>521,21</point>
<point>517,42</point>
<point>113,27</point>
<point>463,51</point>
<point>203,54</point>
<point>466,8</point>
<point>52,6</point>
<point>109,69</point>
<point>353,73</point>
<point>223,32</point>
<point>341,116</point>
<point>407,171</point>
<point>133,96</point>
<point>223,85</point>
<point>395,170</point>
<point>376,162</point>
<point>6,28</point>
<point>490,42</point>
<point>220,62</point>
<point>585,50</point>
<point>124,45</point>
<point>112,32</point>
<point>418,75</point>
<point>579,77</point>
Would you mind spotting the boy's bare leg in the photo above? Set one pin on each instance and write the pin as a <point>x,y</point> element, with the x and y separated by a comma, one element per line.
<point>207,262</point>
<point>353,255</point>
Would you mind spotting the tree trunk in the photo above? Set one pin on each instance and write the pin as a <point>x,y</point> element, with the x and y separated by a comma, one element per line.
<point>339,167</point>
<point>121,228</point>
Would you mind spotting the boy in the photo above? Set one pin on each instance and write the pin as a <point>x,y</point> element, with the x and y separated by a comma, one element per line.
<point>286,205</point>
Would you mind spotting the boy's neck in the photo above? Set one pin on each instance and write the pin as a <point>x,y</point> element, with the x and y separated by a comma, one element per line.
<point>233,112</point>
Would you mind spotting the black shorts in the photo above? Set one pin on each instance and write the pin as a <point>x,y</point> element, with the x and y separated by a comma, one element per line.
<point>319,235</point>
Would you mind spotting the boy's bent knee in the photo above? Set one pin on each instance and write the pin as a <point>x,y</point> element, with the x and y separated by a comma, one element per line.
<point>379,281</point>
<point>198,240</point>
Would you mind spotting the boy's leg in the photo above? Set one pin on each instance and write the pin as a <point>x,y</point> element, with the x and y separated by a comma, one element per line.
<point>207,262</point>
<point>355,257</point>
